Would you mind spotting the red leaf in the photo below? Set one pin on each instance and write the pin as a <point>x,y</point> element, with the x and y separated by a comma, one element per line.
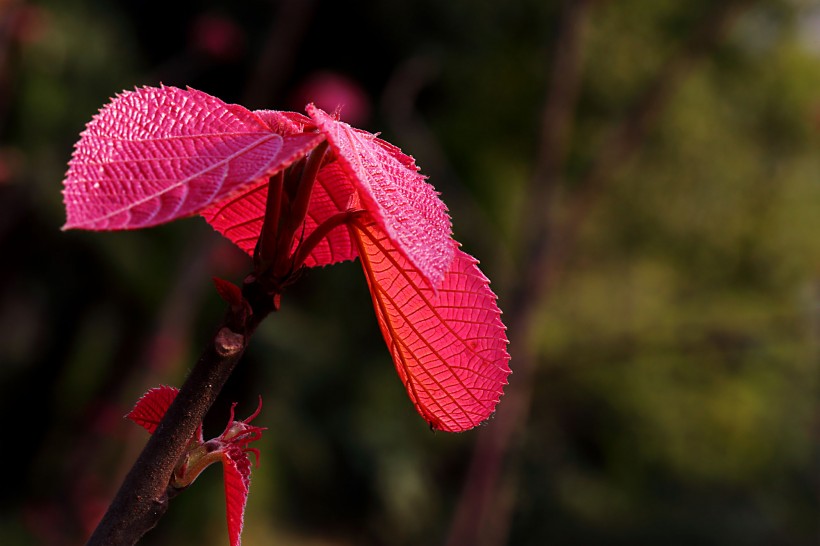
<point>448,345</point>
<point>404,206</point>
<point>240,217</point>
<point>236,468</point>
<point>149,410</point>
<point>331,195</point>
<point>157,154</point>
<point>229,292</point>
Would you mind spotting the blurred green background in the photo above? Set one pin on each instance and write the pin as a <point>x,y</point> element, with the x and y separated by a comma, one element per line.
<point>640,179</point>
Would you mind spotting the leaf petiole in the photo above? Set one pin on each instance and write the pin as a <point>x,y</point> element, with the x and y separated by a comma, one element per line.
<point>322,230</point>
<point>305,189</point>
<point>265,253</point>
<point>298,207</point>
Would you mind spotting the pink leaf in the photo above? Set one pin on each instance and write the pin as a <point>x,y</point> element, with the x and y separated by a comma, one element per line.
<point>236,468</point>
<point>448,345</point>
<point>240,217</point>
<point>157,154</point>
<point>404,206</point>
<point>150,409</point>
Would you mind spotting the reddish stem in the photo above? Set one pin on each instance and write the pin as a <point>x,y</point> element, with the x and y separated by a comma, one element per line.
<point>305,247</point>
<point>301,200</point>
<point>265,253</point>
<point>143,496</point>
<point>298,206</point>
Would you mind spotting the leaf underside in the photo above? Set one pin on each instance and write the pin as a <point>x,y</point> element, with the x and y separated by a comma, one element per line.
<point>157,154</point>
<point>407,208</point>
<point>449,346</point>
<point>151,407</point>
<point>236,470</point>
<point>240,217</point>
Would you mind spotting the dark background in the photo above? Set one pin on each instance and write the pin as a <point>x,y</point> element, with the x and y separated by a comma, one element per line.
<point>640,179</point>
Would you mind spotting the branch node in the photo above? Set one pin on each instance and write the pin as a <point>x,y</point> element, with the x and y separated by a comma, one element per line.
<point>228,343</point>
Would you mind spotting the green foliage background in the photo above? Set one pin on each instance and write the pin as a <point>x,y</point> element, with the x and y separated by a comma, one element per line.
<point>674,390</point>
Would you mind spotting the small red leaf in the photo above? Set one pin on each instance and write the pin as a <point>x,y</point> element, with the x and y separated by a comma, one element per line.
<point>229,292</point>
<point>390,187</point>
<point>236,468</point>
<point>157,154</point>
<point>449,345</point>
<point>150,409</point>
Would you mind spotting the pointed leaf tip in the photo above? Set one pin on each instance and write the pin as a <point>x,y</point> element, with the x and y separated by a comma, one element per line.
<point>449,346</point>
<point>229,292</point>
